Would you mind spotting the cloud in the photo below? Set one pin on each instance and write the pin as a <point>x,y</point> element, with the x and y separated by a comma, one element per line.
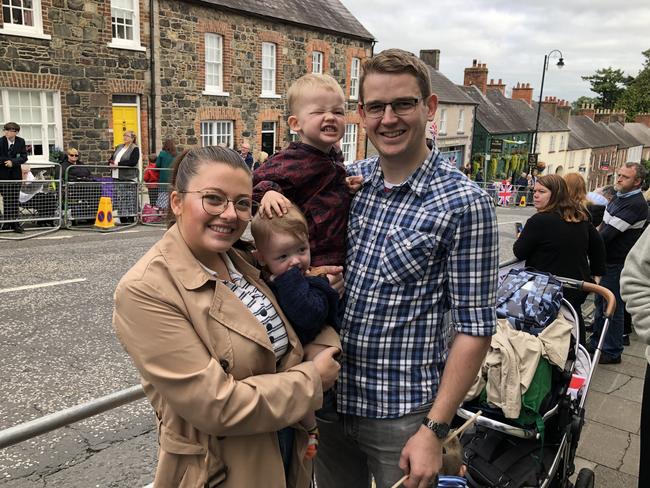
<point>513,37</point>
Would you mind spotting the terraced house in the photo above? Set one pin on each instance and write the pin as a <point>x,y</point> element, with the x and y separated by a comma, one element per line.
<point>81,72</point>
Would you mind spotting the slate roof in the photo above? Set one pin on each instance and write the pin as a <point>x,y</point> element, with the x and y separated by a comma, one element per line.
<point>590,133</point>
<point>447,91</point>
<point>626,139</point>
<point>641,132</point>
<point>547,123</point>
<point>329,15</point>
<point>496,118</point>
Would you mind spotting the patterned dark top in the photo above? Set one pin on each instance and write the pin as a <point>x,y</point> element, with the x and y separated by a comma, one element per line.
<point>315,182</point>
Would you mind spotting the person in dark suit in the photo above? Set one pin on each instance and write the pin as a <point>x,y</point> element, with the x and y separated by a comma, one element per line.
<point>127,154</point>
<point>13,153</point>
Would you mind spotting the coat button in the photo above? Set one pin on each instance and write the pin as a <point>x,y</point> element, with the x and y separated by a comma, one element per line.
<point>224,364</point>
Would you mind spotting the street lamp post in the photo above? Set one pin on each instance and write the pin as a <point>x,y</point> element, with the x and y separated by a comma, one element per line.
<point>560,64</point>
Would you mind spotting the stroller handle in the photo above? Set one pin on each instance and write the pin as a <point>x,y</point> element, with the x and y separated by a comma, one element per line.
<point>588,287</point>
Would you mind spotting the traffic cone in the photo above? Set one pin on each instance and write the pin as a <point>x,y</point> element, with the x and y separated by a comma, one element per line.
<point>104,219</point>
<point>522,201</point>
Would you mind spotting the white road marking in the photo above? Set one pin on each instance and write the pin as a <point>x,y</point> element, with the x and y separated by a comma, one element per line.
<point>52,237</point>
<point>42,285</point>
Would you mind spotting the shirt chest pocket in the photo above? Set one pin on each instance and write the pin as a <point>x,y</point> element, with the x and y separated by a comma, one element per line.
<point>408,253</point>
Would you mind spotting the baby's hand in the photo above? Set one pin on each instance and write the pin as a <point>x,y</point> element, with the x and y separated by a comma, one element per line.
<point>354,183</point>
<point>273,201</point>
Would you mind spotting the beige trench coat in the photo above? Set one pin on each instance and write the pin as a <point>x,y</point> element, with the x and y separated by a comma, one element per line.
<point>209,371</point>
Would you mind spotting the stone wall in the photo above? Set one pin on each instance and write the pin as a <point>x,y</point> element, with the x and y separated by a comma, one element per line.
<point>182,73</point>
<point>78,63</point>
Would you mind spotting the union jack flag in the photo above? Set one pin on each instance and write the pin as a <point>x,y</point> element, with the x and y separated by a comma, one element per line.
<point>505,194</point>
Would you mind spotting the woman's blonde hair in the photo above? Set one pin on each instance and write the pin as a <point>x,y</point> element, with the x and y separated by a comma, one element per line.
<point>132,135</point>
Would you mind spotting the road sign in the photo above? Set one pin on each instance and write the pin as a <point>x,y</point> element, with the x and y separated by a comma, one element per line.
<point>532,159</point>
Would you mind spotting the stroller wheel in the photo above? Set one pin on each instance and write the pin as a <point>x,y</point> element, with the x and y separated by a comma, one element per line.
<point>585,479</point>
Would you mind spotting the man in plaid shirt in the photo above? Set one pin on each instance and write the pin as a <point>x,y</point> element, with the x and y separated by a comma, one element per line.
<point>422,261</point>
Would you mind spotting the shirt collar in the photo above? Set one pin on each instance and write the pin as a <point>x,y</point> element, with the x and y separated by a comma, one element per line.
<point>419,181</point>
<point>628,194</point>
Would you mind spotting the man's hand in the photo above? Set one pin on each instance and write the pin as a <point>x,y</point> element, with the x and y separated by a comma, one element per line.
<point>273,201</point>
<point>354,183</point>
<point>8,163</point>
<point>421,459</point>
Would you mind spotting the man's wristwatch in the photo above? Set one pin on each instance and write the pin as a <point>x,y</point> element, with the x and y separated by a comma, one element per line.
<point>441,430</point>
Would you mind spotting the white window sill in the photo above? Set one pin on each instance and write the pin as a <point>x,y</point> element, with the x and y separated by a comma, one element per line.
<point>17,31</point>
<point>354,99</point>
<point>270,95</point>
<point>129,46</point>
<point>215,93</point>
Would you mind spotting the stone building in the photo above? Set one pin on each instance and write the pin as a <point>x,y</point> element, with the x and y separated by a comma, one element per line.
<point>80,72</point>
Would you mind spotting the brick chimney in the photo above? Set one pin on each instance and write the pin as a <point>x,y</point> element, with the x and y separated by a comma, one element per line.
<point>643,119</point>
<point>563,111</point>
<point>603,115</point>
<point>476,76</point>
<point>431,57</point>
<point>501,86</point>
<point>550,105</point>
<point>587,110</point>
<point>618,116</point>
<point>524,92</point>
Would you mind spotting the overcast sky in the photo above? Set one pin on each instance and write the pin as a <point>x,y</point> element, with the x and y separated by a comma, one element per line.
<point>513,37</point>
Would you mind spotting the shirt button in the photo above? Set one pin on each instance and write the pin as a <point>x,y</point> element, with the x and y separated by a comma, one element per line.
<point>263,313</point>
<point>269,327</point>
<point>272,339</point>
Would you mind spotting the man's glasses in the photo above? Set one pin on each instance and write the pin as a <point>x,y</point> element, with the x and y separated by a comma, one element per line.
<point>217,203</point>
<point>403,106</point>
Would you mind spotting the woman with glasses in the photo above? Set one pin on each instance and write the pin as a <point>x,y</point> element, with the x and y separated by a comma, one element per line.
<point>77,171</point>
<point>219,362</point>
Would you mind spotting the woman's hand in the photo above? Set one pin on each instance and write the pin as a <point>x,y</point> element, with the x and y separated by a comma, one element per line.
<point>328,367</point>
<point>273,201</point>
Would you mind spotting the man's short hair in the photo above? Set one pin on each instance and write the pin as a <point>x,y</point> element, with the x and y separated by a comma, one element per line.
<point>641,171</point>
<point>12,126</point>
<point>397,61</point>
<point>292,223</point>
<point>305,84</point>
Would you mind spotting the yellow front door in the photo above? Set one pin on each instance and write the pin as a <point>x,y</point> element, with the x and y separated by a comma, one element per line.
<point>124,118</point>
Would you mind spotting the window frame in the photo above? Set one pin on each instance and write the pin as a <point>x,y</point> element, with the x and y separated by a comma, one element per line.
<point>272,93</point>
<point>8,112</point>
<point>442,127</point>
<point>461,121</point>
<point>349,146</point>
<point>130,44</point>
<point>214,89</point>
<point>314,62</point>
<point>355,74</point>
<point>213,138</point>
<point>551,144</point>
<point>35,30</point>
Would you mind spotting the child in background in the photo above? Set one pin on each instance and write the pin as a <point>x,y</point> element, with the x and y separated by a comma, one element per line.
<point>305,297</point>
<point>310,173</point>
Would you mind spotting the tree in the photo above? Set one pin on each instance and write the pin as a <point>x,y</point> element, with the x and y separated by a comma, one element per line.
<point>609,84</point>
<point>636,99</point>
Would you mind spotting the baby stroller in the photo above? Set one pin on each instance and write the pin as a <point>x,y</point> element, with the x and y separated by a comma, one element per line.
<point>499,452</point>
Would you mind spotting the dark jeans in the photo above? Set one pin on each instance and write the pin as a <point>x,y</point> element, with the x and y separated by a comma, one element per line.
<point>613,344</point>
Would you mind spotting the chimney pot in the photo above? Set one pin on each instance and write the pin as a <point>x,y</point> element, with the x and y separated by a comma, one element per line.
<point>474,62</point>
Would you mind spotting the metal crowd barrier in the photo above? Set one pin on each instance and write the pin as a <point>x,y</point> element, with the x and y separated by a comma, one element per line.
<point>83,193</point>
<point>506,195</point>
<point>35,199</point>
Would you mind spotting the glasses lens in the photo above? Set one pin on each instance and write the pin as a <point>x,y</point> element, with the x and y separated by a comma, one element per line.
<point>374,109</point>
<point>245,208</point>
<point>404,107</point>
<point>214,203</point>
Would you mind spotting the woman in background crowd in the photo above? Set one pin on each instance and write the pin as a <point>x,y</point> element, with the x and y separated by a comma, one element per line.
<point>164,165</point>
<point>125,199</point>
<point>560,240</point>
<point>578,193</point>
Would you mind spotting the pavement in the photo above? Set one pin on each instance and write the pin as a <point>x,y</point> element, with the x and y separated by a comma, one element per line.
<point>609,444</point>
<point>57,349</point>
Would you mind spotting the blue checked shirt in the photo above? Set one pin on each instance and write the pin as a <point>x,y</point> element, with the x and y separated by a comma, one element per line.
<point>421,258</point>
